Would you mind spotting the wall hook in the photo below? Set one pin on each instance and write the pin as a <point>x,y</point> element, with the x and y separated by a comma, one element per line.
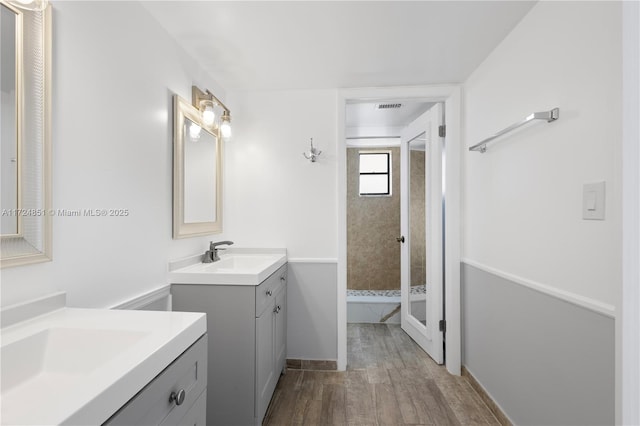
<point>313,153</point>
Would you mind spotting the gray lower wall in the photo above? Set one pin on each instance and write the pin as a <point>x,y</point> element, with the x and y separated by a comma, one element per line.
<point>312,310</point>
<point>543,360</point>
<point>312,326</point>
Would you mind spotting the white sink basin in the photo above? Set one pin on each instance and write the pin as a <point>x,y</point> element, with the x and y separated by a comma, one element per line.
<point>240,264</point>
<point>79,366</point>
<point>57,357</point>
<point>233,268</point>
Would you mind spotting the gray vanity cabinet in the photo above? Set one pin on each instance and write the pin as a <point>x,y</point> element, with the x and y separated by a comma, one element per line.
<point>271,329</point>
<point>177,396</point>
<point>246,326</point>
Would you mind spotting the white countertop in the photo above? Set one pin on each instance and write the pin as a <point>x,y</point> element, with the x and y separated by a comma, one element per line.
<point>92,397</point>
<point>237,266</point>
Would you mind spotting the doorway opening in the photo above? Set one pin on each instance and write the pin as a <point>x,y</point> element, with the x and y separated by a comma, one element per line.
<point>394,215</point>
<point>373,131</point>
<point>376,137</point>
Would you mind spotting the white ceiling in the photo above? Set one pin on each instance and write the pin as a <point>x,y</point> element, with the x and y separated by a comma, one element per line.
<point>331,44</point>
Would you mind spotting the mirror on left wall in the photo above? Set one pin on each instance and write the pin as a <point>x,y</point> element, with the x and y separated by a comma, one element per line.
<point>197,163</point>
<point>25,136</point>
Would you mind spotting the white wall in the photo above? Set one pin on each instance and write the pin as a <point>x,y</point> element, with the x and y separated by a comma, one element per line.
<point>274,197</point>
<point>115,71</point>
<point>523,197</point>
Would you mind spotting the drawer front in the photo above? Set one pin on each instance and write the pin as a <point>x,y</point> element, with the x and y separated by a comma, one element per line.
<point>196,416</point>
<point>153,404</point>
<point>267,290</point>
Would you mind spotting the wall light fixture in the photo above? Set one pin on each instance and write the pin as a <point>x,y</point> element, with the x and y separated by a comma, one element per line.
<point>207,103</point>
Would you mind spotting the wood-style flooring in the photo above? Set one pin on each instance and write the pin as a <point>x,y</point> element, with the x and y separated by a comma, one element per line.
<point>389,381</point>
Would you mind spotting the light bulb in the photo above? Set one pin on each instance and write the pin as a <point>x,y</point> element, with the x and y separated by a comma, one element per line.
<point>225,129</point>
<point>225,126</point>
<point>194,131</point>
<point>208,114</point>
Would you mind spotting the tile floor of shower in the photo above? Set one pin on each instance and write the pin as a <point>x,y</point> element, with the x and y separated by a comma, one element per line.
<point>383,306</point>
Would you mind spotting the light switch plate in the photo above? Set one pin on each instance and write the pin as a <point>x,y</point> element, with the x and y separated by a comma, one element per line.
<point>593,197</point>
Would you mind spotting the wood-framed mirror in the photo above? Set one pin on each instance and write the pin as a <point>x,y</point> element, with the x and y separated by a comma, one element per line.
<point>25,136</point>
<point>197,173</point>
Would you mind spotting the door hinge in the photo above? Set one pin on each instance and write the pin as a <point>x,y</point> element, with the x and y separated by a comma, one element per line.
<point>442,131</point>
<point>442,325</point>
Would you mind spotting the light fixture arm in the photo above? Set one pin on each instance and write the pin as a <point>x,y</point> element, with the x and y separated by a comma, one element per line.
<point>198,96</point>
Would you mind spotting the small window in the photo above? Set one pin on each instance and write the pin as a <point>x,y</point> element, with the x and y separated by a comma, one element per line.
<point>375,173</point>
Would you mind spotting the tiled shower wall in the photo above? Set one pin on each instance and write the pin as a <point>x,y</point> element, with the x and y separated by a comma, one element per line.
<point>373,224</point>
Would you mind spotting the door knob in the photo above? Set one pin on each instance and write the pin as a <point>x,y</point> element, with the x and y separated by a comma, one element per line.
<point>400,239</point>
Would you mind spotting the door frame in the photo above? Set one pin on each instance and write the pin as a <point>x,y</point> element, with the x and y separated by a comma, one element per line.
<point>451,96</point>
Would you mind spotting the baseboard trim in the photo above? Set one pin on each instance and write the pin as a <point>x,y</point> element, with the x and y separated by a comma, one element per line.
<point>311,364</point>
<point>491,404</point>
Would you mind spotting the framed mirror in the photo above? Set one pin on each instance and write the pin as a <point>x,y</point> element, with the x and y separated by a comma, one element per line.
<point>25,135</point>
<point>197,177</point>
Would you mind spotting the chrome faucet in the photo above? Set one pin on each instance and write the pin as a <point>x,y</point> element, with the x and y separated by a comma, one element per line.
<point>211,255</point>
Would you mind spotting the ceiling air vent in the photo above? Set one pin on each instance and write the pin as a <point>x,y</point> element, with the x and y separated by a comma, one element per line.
<point>388,106</point>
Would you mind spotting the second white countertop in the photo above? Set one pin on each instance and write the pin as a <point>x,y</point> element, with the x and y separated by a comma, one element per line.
<point>145,343</point>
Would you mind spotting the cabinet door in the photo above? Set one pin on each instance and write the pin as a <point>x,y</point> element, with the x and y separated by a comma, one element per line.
<point>280,338</point>
<point>266,378</point>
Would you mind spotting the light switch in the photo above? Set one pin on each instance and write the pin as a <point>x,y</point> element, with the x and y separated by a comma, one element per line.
<point>593,196</point>
<point>591,201</point>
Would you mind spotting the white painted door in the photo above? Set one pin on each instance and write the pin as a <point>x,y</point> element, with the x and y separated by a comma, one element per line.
<point>421,213</point>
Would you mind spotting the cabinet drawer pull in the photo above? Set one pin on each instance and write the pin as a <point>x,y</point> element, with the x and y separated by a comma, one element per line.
<point>269,292</point>
<point>178,398</point>
<point>282,278</point>
<point>277,309</point>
